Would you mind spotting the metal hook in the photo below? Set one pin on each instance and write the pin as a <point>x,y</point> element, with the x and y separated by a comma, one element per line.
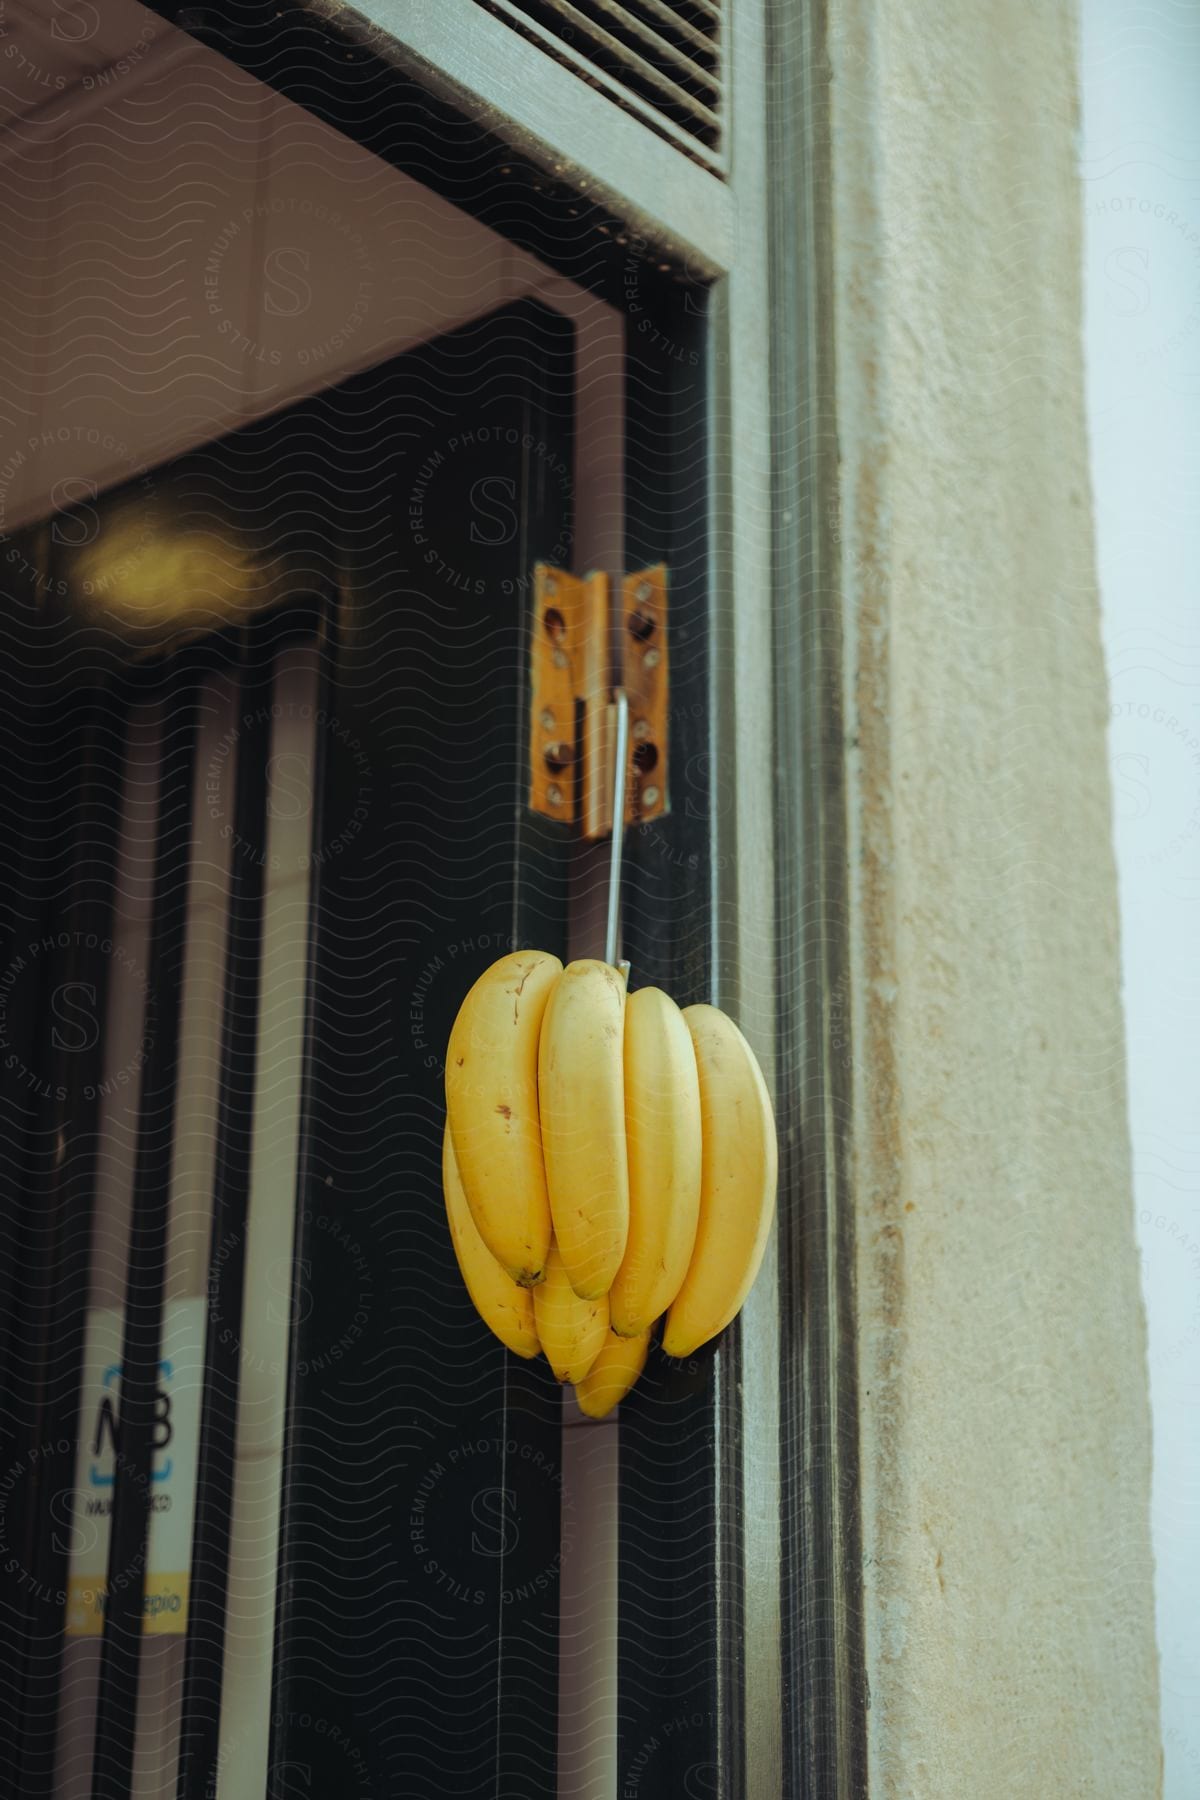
<point>621,756</point>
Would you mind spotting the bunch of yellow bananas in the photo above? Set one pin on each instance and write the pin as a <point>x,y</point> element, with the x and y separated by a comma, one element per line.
<point>607,1159</point>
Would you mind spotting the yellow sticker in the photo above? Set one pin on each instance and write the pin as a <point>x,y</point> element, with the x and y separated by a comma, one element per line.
<point>164,1606</point>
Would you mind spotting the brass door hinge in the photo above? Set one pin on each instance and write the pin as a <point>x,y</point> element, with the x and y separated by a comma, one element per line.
<point>572,719</point>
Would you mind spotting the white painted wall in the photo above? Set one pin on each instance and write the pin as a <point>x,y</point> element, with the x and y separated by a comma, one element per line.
<point>186,250</point>
<point>1141,193</point>
<point>1005,1422</point>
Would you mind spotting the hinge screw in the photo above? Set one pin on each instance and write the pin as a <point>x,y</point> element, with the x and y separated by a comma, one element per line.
<point>651,659</point>
<point>641,728</point>
<point>547,720</point>
<point>643,590</point>
<point>650,796</point>
<point>554,794</point>
<point>560,659</point>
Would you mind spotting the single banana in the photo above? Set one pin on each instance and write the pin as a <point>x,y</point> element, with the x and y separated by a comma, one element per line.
<point>581,1088</point>
<point>663,1134</point>
<point>492,1106</point>
<point>571,1331</point>
<point>504,1307</point>
<point>613,1373</point>
<point>740,1161</point>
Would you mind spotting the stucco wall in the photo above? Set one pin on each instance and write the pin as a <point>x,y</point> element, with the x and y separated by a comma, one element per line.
<point>1005,1426</point>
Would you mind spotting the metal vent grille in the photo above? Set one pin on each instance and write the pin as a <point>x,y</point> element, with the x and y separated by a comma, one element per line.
<point>660,59</point>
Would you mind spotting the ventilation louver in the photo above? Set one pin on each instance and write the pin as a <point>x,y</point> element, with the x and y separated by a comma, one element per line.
<point>660,59</point>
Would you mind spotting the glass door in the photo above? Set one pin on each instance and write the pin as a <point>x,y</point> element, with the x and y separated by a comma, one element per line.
<point>280,1516</point>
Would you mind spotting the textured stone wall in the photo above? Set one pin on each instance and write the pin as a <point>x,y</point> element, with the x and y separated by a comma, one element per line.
<point>1006,1429</point>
